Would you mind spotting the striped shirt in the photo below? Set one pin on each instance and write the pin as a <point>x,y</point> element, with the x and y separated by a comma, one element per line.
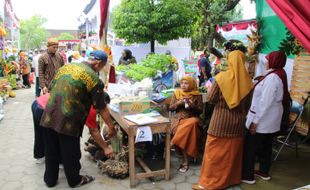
<point>48,66</point>
<point>226,122</point>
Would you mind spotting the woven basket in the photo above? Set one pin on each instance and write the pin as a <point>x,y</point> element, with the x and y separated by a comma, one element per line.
<point>116,167</point>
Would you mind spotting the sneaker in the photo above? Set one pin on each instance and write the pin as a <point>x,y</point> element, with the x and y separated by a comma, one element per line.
<point>40,160</point>
<point>262,175</point>
<point>250,182</point>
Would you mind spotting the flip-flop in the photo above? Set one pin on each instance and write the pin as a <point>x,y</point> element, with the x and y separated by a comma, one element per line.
<point>85,179</point>
<point>183,168</point>
<point>198,187</point>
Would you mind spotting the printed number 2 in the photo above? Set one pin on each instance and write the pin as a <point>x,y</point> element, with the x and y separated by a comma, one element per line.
<point>141,134</point>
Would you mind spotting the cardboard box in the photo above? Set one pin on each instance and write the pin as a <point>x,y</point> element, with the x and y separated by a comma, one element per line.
<point>132,105</point>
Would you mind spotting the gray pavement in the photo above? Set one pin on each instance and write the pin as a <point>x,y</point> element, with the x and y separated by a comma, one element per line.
<point>18,169</point>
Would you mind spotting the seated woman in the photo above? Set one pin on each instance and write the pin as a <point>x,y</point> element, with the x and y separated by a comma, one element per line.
<point>127,58</point>
<point>187,102</point>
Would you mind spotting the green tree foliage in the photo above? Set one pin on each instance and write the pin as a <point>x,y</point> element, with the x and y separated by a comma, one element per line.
<point>143,21</point>
<point>212,13</point>
<point>65,36</point>
<point>290,45</point>
<point>32,32</point>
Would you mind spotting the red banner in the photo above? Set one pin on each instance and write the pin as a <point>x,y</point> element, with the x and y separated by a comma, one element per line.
<point>295,15</point>
<point>104,9</point>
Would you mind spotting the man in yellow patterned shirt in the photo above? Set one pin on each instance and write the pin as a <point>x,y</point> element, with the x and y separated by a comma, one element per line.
<point>75,88</point>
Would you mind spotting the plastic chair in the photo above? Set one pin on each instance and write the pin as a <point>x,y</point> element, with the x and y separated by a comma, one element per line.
<point>283,138</point>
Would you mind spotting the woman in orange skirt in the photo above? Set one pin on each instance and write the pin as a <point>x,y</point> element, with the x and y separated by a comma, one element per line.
<point>222,160</point>
<point>187,102</point>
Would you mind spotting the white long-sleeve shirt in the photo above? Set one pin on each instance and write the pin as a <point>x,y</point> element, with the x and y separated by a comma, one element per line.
<point>266,108</point>
<point>35,64</point>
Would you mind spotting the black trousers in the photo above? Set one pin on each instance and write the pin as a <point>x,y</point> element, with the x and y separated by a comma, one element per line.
<point>38,149</point>
<point>26,80</point>
<point>68,148</point>
<point>38,89</point>
<point>256,146</point>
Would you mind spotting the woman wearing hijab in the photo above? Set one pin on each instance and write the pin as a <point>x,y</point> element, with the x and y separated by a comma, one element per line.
<point>264,118</point>
<point>187,102</point>
<point>127,58</point>
<point>222,159</point>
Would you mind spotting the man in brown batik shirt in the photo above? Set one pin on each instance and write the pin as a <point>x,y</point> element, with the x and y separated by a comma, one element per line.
<point>49,63</point>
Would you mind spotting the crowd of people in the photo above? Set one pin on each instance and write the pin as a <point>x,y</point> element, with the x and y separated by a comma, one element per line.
<point>246,115</point>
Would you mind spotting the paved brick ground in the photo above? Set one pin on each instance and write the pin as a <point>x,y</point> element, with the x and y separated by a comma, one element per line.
<point>19,171</point>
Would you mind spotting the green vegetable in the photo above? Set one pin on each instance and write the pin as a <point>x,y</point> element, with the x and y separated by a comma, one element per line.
<point>147,67</point>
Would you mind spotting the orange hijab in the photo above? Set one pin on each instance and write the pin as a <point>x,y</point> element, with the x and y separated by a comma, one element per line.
<point>193,89</point>
<point>235,83</point>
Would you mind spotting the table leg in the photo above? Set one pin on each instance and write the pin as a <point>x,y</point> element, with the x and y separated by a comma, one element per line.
<point>132,173</point>
<point>167,164</point>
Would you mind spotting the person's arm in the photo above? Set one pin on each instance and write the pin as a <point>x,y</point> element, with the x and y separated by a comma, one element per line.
<point>95,133</point>
<point>105,114</point>
<point>195,104</point>
<point>61,59</point>
<point>41,75</point>
<point>175,104</point>
<point>213,94</point>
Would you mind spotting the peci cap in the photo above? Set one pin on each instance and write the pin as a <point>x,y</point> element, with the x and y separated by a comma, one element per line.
<point>52,42</point>
<point>99,55</point>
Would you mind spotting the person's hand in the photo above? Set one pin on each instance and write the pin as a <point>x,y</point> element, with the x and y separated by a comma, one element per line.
<point>108,152</point>
<point>180,102</point>
<point>45,90</point>
<point>253,128</point>
<point>190,102</point>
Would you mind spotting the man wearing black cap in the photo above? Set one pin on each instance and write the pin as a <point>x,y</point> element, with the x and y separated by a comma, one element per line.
<point>74,89</point>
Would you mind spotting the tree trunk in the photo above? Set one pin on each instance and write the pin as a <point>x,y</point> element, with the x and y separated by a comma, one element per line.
<point>219,38</point>
<point>231,4</point>
<point>152,46</point>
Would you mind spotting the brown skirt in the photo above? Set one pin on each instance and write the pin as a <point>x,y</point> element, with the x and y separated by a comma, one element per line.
<point>222,162</point>
<point>186,136</point>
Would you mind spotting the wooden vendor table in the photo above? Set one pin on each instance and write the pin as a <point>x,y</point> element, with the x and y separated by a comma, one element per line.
<point>161,126</point>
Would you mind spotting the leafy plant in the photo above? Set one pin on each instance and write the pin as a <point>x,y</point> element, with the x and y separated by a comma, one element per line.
<point>147,67</point>
<point>202,89</point>
<point>291,45</point>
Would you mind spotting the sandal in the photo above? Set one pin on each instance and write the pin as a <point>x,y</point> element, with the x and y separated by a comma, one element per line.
<point>85,179</point>
<point>198,187</point>
<point>183,168</point>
